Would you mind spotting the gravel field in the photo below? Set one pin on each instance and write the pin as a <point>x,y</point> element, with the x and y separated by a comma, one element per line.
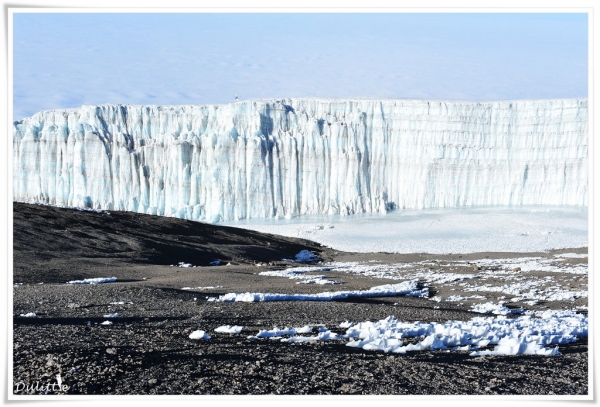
<point>147,349</point>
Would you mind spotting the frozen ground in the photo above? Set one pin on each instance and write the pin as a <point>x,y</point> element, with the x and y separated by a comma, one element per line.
<point>528,335</point>
<point>504,286</point>
<point>151,328</point>
<point>440,231</point>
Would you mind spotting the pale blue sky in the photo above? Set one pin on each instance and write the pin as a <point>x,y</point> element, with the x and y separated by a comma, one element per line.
<point>66,60</point>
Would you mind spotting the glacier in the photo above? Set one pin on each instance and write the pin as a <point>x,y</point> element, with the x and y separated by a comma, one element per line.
<point>288,157</point>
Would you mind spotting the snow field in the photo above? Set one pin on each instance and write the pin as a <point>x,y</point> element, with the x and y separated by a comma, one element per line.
<point>517,284</point>
<point>535,333</point>
<point>439,231</point>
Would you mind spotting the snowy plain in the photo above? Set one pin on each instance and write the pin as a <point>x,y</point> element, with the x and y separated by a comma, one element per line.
<point>439,231</point>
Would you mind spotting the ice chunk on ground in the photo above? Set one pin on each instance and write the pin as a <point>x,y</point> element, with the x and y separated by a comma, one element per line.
<point>98,280</point>
<point>264,333</point>
<point>407,288</point>
<point>326,335</point>
<point>572,255</point>
<point>307,329</point>
<point>299,339</point>
<point>182,264</point>
<point>522,335</point>
<point>202,288</point>
<point>106,323</point>
<point>116,314</point>
<point>199,334</point>
<point>28,315</point>
<point>519,346</point>
<point>491,308</point>
<point>299,273</point>
<point>306,256</point>
<point>319,280</point>
<point>235,329</point>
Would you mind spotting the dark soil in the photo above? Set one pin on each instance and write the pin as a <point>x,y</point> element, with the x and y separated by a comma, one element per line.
<point>147,349</point>
<point>55,244</point>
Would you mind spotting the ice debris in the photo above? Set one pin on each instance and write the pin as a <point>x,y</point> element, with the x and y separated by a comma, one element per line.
<point>98,280</point>
<point>408,288</point>
<point>497,309</point>
<point>299,273</point>
<point>522,335</point>
<point>199,334</point>
<point>235,329</point>
<point>182,264</point>
<point>306,256</point>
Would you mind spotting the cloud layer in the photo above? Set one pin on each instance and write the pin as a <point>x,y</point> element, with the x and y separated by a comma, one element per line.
<point>66,60</point>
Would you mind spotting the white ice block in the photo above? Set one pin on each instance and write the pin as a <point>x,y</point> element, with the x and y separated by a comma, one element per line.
<point>281,158</point>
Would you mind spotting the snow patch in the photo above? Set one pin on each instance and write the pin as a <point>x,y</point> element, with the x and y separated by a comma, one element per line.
<point>210,287</point>
<point>182,264</point>
<point>298,273</point>
<point>99,280</point>
<point>522,335</point>
<point>199,334</point>
<point>572,255</point>
<point>229,329</point>
<point>497,309</point>
<point>408,288</point>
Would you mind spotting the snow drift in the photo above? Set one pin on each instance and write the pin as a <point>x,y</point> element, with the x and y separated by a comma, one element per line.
<point>280,158</point>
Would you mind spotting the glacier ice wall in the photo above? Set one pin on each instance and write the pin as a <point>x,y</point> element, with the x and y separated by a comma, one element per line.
<point>280,158</point>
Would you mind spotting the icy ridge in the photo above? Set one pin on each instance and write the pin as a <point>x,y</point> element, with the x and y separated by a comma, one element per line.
<point>281,158</point>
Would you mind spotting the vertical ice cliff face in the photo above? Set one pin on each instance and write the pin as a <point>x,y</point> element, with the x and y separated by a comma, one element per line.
<point>258,159</point>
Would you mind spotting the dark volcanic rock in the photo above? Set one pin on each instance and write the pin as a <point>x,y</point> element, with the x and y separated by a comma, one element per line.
<point>147,349</point>
<point>57,244</point>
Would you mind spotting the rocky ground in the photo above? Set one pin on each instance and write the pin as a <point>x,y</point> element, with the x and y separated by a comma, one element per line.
<point>147,349</point>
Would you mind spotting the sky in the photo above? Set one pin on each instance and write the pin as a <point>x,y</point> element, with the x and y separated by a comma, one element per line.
<point>63,60</point>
